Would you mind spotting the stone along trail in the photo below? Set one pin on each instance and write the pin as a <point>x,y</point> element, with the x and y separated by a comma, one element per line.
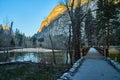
<point>95,67</point>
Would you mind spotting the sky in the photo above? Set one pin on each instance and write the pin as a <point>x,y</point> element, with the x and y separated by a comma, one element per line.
<point>26,15</point>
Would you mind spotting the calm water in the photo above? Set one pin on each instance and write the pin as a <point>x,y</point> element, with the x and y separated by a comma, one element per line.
<point>34,57</point>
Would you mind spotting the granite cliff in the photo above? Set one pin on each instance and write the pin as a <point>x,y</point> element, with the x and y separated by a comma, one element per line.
<point>57,27</point>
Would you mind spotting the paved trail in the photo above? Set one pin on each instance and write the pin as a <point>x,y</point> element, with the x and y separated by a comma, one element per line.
<point>96,68</point>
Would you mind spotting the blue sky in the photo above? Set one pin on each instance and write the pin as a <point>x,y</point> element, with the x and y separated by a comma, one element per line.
<point>27,15</point>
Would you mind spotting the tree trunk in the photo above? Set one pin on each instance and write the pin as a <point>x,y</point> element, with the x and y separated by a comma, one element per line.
<point>107,42</point>
<point>66,56</point>
<point>104,42</point>
<point>70,46</point>
<point>54,60</point>
<point>76,41</point>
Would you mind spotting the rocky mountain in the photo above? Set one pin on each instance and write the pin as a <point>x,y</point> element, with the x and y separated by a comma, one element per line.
<point>57,27</point>
<point>57,11</point>
<point>57,30</point>
<point>6,29</point>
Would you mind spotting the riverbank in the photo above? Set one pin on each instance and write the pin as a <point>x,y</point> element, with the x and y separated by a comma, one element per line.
<point>30,50</point>
<point>32,72</point>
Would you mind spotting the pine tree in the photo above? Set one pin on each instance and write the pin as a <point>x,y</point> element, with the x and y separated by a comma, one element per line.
<point>89,27</point>
<point>12,42</point>
<point>105,13</point>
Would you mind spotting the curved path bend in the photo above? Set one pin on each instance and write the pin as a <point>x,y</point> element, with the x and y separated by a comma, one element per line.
<point>95,67</point>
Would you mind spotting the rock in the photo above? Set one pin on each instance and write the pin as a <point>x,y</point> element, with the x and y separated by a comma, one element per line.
<point>59,29</point>
<point>72,70</point>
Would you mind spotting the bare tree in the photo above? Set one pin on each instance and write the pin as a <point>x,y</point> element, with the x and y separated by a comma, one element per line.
<point>52,45</point>
<point>76,15</point>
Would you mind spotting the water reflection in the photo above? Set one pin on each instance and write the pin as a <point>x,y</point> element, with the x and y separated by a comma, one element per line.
<point>34,57</point>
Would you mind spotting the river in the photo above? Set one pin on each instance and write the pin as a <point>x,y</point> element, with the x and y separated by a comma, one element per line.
<point>39,57</point>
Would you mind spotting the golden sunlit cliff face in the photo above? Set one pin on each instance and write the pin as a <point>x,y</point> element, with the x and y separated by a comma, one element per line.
<point>6,27</point>
<point>78,2</point>
<point>58,10</point>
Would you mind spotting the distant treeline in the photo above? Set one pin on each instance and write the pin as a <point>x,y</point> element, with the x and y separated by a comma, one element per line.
<point>13,39</point>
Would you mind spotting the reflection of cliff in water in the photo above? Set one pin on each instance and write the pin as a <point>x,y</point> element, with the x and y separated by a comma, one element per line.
<point>45,58</point>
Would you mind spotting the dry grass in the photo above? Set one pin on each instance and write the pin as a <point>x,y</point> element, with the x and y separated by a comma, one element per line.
<point>31,72</point>
<point>114,54</point>
<point>114,50</point>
